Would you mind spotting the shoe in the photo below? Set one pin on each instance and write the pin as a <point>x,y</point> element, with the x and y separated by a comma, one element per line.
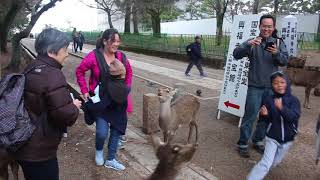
<point>99,158</point>
<point>123,139</point>
<point>114,164</point>
<point>65,135</point>
<point>243,152</point>
<point>203,75</point>
<point>187,74</point>
<point>259,148</point>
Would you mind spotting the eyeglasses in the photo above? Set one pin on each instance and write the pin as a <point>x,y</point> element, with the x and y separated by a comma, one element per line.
<point>267,27</point>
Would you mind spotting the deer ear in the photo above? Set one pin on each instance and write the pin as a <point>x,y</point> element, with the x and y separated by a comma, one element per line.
<point>156,141</point>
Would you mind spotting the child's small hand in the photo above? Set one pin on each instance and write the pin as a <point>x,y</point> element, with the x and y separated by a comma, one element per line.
<point>278,103</point>
<point>264,111</point>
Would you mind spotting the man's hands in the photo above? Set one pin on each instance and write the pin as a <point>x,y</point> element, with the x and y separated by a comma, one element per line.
<point>255,41</point>
<point>273,49</point>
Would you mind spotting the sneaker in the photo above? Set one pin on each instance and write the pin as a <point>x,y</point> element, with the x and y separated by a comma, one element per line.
<point>259,148</point>
<point>243,152</point>
<point>203,75</point>
<point>99,158</point>
<point>114,164</point>
<point>187,74</point>
<point>123,139</point>
<point>65,135</point>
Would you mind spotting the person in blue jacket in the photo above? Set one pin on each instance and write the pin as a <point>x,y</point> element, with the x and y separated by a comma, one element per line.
<point>282,112</point>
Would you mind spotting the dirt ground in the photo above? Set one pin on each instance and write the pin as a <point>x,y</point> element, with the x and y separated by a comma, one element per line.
<point>217,148</point>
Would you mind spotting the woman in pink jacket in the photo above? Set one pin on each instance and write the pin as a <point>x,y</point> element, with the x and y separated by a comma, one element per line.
<point>114,116</point>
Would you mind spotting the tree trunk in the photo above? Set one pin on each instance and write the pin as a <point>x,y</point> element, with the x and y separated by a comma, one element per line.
<point>127,18</point>
<point>110,19</point>
<point>7,22</point>
<point>155,18</point>
<point>15,60</point>
<point>219,32</point>
<point>255,7</point>
<point>135,19</point>
<point>276,7</point>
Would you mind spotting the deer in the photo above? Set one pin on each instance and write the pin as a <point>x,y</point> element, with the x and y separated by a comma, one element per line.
<point>306,78</point>
<point>6,160</point>
<point>171,158</point>
<point>183,110</point>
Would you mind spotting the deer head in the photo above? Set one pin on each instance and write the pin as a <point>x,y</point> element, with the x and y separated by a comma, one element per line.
<point>166,94</point>
<point>173,153</point>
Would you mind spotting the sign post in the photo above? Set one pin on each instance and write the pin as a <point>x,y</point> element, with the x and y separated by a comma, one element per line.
<point>289,34</point>
<point>235,83</point>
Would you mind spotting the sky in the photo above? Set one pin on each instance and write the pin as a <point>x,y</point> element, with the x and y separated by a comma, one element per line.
<point>68,14</point>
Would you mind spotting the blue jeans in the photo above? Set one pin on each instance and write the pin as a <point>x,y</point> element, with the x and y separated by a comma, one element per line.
<point>102,130</point>
<point>253,105</point>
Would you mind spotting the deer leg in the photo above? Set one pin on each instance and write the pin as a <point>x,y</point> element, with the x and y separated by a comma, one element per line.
<point>197,132</point>
<point>165,136</point>
<point>14,169</point>
<point>190,131</point>
<point>307,97</point>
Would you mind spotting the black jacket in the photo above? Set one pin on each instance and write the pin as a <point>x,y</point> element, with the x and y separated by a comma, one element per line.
<point>195,51</point>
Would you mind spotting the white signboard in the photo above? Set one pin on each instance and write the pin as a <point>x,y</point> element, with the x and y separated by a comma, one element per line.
<point>234,91</point>
<point>289,34</point>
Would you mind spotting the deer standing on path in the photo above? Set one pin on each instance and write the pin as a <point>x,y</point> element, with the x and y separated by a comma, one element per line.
<point>182,111</point>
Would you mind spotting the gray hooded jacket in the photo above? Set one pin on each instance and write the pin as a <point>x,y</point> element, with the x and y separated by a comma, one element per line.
<point>262,62</point>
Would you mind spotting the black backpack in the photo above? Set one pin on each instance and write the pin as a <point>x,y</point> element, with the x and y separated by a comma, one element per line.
<point>188,49</point>
<point>15,124</point>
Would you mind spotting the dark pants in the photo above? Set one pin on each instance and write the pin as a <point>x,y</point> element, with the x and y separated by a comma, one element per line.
<point>253,105</point>
<point>196,62</point>
<point>75,45</point>
<point>80,46</point>
<point>48,170</point>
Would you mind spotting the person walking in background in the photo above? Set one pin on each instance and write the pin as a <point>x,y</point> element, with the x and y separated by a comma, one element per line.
<point>75,39</point>
<point>282,112</point>
<point>112,118</point>
<point>80,41</point>
<point>264,60</point>
<point>49,106</point>
<point>195,57</point>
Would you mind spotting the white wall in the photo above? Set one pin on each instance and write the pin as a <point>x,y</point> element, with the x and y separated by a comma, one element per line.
<point>203,26</point>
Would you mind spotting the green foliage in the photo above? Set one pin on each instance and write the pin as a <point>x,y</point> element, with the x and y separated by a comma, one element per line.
<point>171,14</point>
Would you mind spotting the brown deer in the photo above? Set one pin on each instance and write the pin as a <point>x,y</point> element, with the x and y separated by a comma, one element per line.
<point>182,111</point>
<point>171,158</point>
<point>5,161</point>
<point>303,77</point>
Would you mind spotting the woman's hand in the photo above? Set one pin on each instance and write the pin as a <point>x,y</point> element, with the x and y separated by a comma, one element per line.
<point>77,103</point>
<point>86,97</point>
<point>264,111</point>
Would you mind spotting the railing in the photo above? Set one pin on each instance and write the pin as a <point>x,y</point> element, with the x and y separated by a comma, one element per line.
<point>176,43</point>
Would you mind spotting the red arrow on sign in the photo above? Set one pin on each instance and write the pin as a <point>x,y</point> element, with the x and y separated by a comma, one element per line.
<point>227,103</point>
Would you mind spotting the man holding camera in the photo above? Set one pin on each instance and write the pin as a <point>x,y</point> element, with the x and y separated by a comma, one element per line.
<point>266,53</point>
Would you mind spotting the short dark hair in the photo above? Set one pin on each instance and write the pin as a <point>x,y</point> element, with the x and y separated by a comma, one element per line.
<point>267,16</point>
<point>107,35</point>
<point>51,40</point>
